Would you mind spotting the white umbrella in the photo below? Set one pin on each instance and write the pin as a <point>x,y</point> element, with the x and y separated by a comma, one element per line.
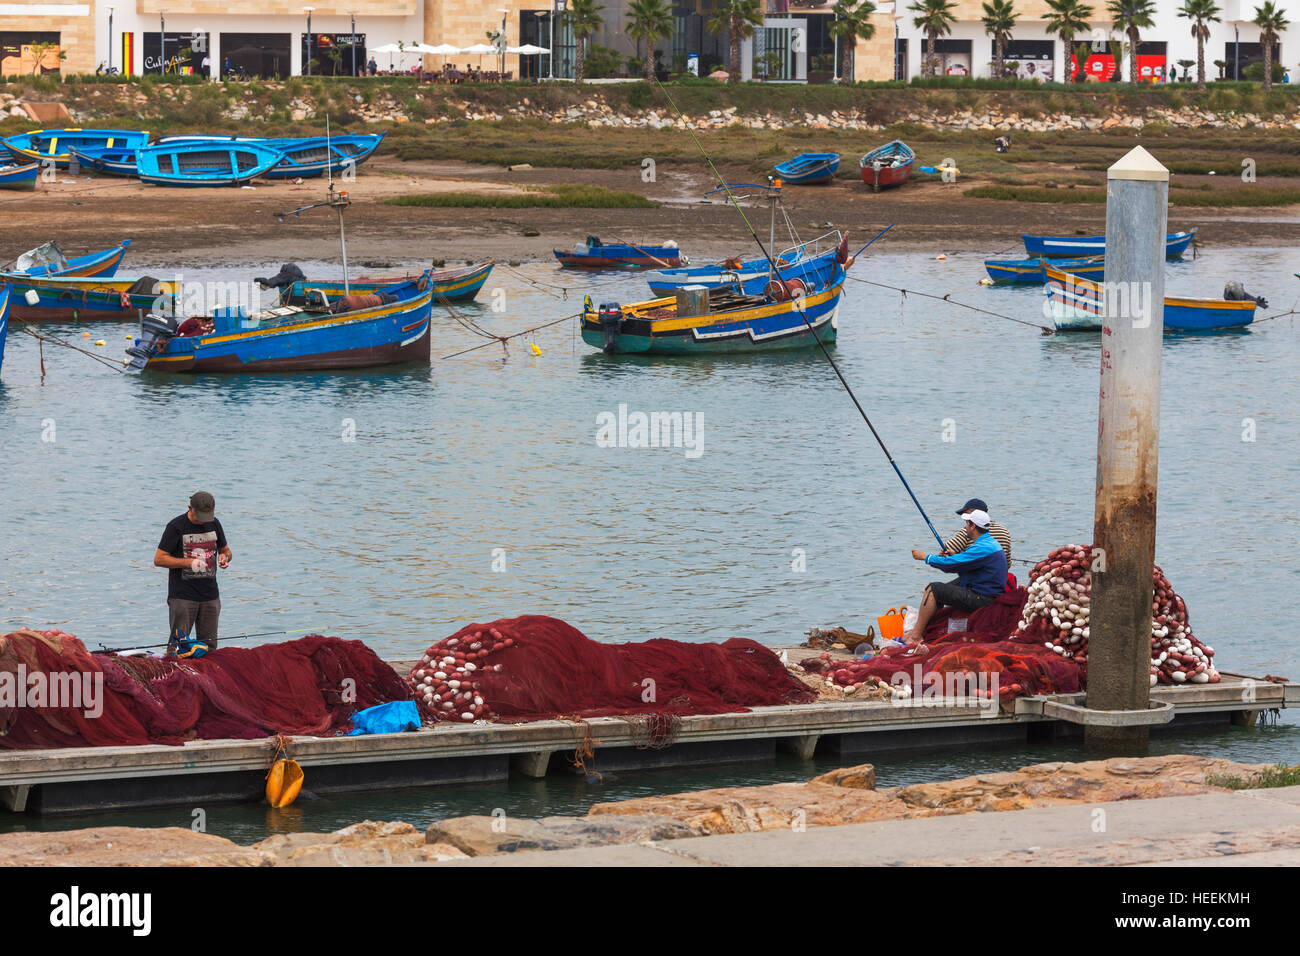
<point>527,49</point>
<point>479,49</point>
<point>444,49</point>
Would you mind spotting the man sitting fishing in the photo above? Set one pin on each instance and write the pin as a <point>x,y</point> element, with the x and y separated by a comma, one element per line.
<point>960,541</point>
<point>981,575</point>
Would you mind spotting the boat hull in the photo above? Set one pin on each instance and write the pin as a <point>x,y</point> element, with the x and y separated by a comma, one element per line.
<point>887,166</point>
<point>809,169</point>
<point>4,321</point>
<point>1076,305</point>
<point>63,299</point>
<point>1077,247</point>
<point>312,156</point>
<point>56,145</point>
<point>453,285</point>
<point>19,177</point>
<point>205,163</point>
<point>753,275</point>
<point>632,260</point>
<point>1030,271</point>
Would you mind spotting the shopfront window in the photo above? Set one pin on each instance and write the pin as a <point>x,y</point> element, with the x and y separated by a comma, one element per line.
<point>179,54</point>
<point>263,55</point>
<point>336,54</point>
<point>26,54</point>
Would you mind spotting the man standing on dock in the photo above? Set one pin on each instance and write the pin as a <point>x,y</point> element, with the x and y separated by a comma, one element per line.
<point>981,575</point>
<point>961,540</point>
<point>193,546</point>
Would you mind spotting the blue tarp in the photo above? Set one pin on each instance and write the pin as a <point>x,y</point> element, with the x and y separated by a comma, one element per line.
<point>390,718</point>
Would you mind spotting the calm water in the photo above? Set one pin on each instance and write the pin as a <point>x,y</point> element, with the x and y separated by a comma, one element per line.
<point>390,537</point>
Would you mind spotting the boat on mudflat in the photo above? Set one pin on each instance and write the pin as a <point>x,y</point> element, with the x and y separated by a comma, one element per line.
<point>1075,247</point>
<point>205,163</point>
<point>459,284</point>
<point>114,160</point>
<point>1077,304</point>
<point>22,176</point>
<point>1030,271</point>
<point>50,260</point>
<point>810,261</point>
<point>594,254</point>
<point>888,165</point>
<point>789,314</point>
<point>807,169</point>
<point>312,156</point>
<point>44,145</point>
<point>361,330</point>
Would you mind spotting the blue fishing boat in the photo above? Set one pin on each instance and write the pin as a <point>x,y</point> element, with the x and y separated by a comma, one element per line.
<point>811,261</point>
<point>1078,304</point>
<point>788,315</point>
<point>312,156</point>
<point>360,330</point>
<point>115,160</point>
<point>1030,271</point>
<point>56,145</point>
<point>20,176</point>
<point>205,163</point>
<point>808,168</point>
<point>888,165</point>
<point>1075,247</point>
<point>59,299</point>
<point>594,254</point>
<point>49,260</point>
<point>4,321</point>
<point>450,285</point>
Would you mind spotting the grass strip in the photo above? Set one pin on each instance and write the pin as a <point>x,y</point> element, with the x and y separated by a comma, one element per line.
<point>1279,776</point>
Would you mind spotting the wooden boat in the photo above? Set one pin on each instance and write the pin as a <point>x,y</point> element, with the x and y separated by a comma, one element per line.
<point>49,260</point>
<point>594,254</point>
<point>808,168</point>
<point>19,176</point>
<point>1030,271</point>
<point>205,163</point>
<point>56,145</point>
<point>888,165</point>
<point>4,321</point>
<point>810,261</point>
<point>312,156</point>
<point>115,160</point>
<point>59,299</point>
<point>1074,247</point>
<point>1077,304</point>
<point>719,321</point>
<point>365,331</point>
<point>453,285</point>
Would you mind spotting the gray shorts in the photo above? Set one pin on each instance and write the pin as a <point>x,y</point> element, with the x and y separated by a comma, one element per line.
<point>200,616</point>
<point>951,594</point>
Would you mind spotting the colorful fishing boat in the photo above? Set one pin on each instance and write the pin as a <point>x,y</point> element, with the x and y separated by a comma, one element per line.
<point>809,168</point>
<point>361,330</point>
<point>58,299</point>
<point>205,163</point>
<point>1030,271</point>
<point>788,315</point>
<point>594,254</point>
<point>45,145</point>
<point>888,165</point>
<point>1075,247</point>
<point>1078,304</point>
<point>49,260</point>
<point>811,261</point>
<point>19,176</point>
<point>4,321</point>
<point>114,160</point>
<point>312,156</point>
<point>450,285</point>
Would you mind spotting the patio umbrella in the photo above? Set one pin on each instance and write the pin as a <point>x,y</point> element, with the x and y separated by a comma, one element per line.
<point>390,49</point>
<point>528,49</point>
<point>443,50</point>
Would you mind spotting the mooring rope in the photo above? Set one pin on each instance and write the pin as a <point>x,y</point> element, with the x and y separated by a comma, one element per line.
<point>544,286</point>
<point>503,339</point>
<point>116,366</point>
<point>945,298</point>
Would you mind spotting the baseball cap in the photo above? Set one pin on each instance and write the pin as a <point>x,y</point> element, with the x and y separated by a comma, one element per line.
<point>203,505</point>
<point>979,519</point>
<point>975,504</point>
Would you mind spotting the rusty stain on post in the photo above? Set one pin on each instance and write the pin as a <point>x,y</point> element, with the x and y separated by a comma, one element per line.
<point>1128,438</point>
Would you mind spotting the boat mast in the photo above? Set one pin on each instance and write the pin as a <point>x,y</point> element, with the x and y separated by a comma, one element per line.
<point>338,206</point>
<point>773,196</point>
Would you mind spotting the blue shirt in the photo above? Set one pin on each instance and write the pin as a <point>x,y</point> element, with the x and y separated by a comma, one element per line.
<point>982,567</point>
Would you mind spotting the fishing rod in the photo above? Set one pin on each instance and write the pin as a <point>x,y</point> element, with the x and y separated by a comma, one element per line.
<point>237,637</point>
<point>816,338</point>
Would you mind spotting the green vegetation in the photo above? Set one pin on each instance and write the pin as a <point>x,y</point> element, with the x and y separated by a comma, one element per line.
<point>999,20</point>
<point>1068,19</point>
<point>1279,776</point>
<point>584,19</point>
<point>1246,195</point>
<point>1202,13</point>
<point>551,197</point>
<point>935,18</point>
<point>852,23</point>
<point>649,21</point>
<point>738,19</point>
<point>1271,21</point>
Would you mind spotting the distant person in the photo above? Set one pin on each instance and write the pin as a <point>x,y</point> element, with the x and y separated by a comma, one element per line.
<point>373,66</point>
<point>1173,74</point>
<point>960,541</point>
<point>192,547</point>
<point>981,575</point>
<point>1286,76</point>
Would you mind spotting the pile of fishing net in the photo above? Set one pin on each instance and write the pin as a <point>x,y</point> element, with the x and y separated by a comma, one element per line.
<point>310,686</point>
<point>1056,614</point>
<point>540,668</point>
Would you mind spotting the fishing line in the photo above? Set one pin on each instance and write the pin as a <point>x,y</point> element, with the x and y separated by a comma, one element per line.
<point>564,292</point>
<point>116,366</point>
<point>503,339</point>
<point>237,637</point>
<point>816,338</point>
<point>944,298</point>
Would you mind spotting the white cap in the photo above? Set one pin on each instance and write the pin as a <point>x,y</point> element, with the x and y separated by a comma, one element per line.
<point>979,519</point>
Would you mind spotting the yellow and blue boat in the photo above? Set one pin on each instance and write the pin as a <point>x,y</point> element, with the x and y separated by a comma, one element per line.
<point>4,321</point>
<point>55,145</point>
<point>453,285</point>
<point>1030,271</point>
<point>787,315</point>
<point>49,260</point>
<point>63,299</point>
<point>1078,305</point>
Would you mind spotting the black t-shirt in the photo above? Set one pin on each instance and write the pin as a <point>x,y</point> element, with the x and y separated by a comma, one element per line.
<point>182,538</point>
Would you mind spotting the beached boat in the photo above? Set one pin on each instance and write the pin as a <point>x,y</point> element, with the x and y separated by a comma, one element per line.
<point>19,176</point>
<point>56,145</point>
<point>1077,304</point>
<point>59,299</point>
<point>115,160</point>
<point>788,315</point>
<point>4,321</point>
<point>357,331</point>
<point>1075,247</point>
<point>205,163</point>
<point>594,254</point>
<point>1030,271</point>
<point>312,156</point>
<point>452,285</point>
<point>808,168</point>
<point>812,262</point>
<point>888,165</point>
<point>49,260</point>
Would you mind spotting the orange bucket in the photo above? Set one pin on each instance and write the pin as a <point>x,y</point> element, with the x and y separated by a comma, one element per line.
<point>891,623</point>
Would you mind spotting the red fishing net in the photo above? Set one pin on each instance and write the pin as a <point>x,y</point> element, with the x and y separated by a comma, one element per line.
<point>538,668</point>
<point>309,686</point>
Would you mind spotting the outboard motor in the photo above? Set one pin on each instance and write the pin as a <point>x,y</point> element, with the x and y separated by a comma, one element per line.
<point>155,331</point>
<point>287,276</point>
<point>1234,291</point>
<point>610,316</point>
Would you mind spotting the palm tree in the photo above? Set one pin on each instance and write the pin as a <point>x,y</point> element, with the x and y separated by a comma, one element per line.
<point>1131,17</point>
<point>651,21</point>
<point>1068,19</point>
<point>738,18</point>
<point>852,23</point>
<point>1271,21</point>
<point>583,17</point>
<point>1201,13</point>
<point>999,20</point>
<point>936,18</point>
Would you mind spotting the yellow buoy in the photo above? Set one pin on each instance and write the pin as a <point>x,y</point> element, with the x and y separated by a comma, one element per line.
<point>283,783</point>
<point>535,349</point>
<point>100,342</point>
